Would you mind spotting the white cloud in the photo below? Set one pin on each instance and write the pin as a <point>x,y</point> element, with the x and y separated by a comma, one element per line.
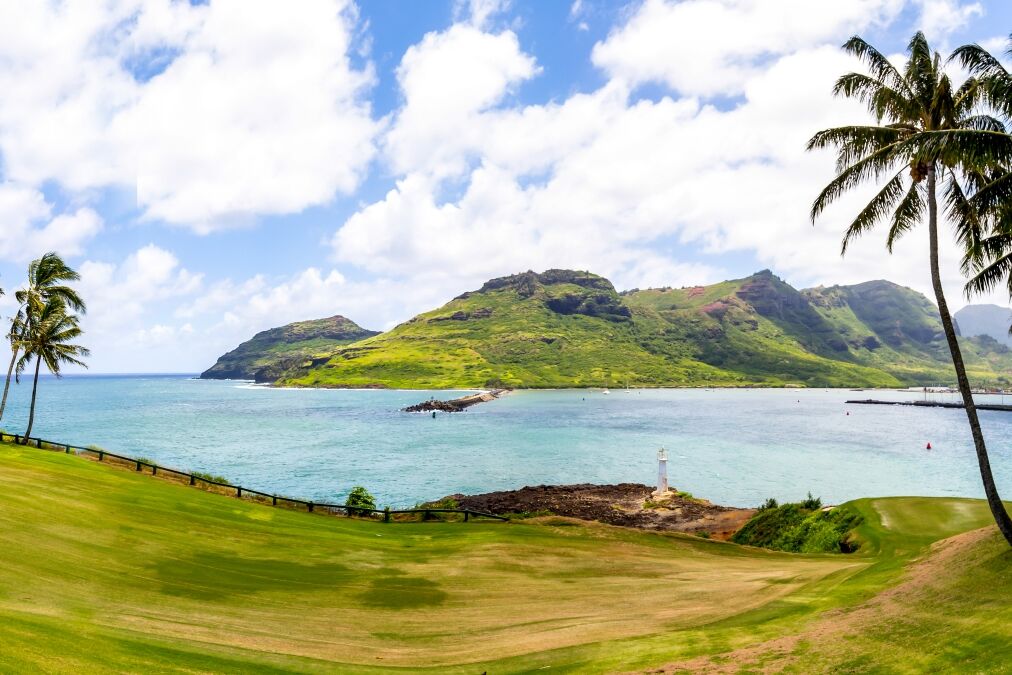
<point>258,109</point>
<point>448,80</point>
<point>713,47</point>
<point>121,296</point>
<point>939,18</point>
<point>478,13</point>
<point>621,186</point>
<point>28,227</point>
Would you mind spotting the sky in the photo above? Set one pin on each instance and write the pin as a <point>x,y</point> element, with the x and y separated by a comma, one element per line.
<point>218,168</point>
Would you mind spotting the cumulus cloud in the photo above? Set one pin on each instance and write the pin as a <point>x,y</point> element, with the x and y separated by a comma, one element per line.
<point>620,185</point>
<point>211,114</point>
<point>939,18</point>
<point>29,228</point>
<point>448,80</point>
<point>713,47</point>
<point>120,295</point>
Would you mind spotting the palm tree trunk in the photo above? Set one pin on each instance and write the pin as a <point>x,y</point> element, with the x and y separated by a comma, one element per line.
<point>7,384</point>
<point>35,390</point>
<point>1001,516</point>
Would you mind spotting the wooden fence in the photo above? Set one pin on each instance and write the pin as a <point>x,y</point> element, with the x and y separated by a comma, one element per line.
<point>240,491</point>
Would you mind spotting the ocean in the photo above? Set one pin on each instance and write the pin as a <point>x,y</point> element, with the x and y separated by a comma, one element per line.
<point>735,447</point>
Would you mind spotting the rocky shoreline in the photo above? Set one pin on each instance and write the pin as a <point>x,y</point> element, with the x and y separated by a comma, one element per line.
<point>456,404</point>
<point>625,504</point>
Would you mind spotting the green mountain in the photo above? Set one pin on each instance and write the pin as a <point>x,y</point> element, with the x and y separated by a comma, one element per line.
<point>572,329</point>
<point>270,353</point>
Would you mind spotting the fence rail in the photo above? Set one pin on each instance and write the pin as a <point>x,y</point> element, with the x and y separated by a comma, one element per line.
<point>240,491</point>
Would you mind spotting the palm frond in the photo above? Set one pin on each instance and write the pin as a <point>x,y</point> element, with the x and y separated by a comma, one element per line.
<point>908,213</point>
<point>968,227</point>
<point>882,100</point>
<point>854,142</point>
<point>875,165</point>
<point>875,210</point>
<point>881,68</point>
<point>976,149</point>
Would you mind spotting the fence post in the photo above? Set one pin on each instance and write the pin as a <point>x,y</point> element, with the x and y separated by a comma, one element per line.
<point>154,470</point>
<point>238,491</point>
<point>425,516</point>
<point>66,449</point>
<point>310,506</point>
<point>386,514</point>
<point>193,481</point>
<point>138,466</point>
<point>100,455</point>
<point>467,514</point>
<point>274,500</point>
<point>38,443</point>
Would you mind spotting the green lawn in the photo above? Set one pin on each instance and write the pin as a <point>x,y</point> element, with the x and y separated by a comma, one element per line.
<point>104,569</point>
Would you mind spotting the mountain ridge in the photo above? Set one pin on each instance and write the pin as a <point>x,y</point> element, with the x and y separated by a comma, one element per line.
<point>566,328</point>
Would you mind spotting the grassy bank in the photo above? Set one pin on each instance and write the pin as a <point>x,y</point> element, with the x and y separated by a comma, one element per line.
<point>105,569</point>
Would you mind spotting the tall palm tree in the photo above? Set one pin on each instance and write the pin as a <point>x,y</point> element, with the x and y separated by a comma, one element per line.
<point>927,138</point>
<point>48,340</point>
<point>47,277</point>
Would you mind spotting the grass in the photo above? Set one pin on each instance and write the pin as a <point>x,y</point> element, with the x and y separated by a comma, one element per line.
<point>107,569</point>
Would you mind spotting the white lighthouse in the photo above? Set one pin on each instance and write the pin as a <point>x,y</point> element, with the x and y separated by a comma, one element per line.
<point>662,473</point>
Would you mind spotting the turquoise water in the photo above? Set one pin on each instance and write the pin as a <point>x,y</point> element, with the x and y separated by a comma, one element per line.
<point>730,446</point>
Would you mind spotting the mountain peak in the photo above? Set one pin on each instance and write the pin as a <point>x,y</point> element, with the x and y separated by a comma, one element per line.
<point>527,283</point>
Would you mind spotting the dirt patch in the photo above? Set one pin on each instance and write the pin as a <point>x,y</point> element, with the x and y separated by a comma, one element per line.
<point>626,504</point>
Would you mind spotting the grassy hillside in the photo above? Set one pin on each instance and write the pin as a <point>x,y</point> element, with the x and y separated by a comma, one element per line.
<point>103,569</point>
<point>558,329</point>
<point>268,353</point>
<point>572,329</point>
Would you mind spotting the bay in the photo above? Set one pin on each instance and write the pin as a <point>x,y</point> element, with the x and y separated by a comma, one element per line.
<point>733,447</point>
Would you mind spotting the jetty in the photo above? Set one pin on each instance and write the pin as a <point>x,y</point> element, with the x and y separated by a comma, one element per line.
<point>933,404</point>
<point>456,404</point>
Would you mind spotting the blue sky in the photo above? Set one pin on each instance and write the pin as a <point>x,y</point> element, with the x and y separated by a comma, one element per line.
<point>215,169</point>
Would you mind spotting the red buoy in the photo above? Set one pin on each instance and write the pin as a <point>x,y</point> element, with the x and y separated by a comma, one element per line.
<point>929,446</point>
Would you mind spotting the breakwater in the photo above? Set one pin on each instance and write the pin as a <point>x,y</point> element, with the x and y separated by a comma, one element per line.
<point>933,404</point>
<point>456,404</point>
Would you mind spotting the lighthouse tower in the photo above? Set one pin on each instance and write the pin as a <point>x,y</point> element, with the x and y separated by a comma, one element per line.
<point>662,472</point>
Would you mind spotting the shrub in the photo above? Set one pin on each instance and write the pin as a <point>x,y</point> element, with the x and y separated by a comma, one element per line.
<point>770,503</point>
<point>203,475</point>
<point>360,502</point>
<point>799,529</point>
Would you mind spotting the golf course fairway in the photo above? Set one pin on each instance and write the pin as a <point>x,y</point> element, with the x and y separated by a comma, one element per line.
<point>105,569</point>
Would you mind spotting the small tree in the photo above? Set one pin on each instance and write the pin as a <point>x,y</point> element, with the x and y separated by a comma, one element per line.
<point>360,502</point>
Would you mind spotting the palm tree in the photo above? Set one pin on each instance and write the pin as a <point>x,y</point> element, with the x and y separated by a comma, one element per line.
<point>48,340</point>
<point>926,132</point>
<point>46,279</point>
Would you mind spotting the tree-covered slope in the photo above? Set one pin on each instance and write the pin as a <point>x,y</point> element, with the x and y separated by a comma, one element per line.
<point>269,353</point>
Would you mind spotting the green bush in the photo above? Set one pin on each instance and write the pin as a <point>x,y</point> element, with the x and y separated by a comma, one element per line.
<point>360,502</point>
<point>799,529</point>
